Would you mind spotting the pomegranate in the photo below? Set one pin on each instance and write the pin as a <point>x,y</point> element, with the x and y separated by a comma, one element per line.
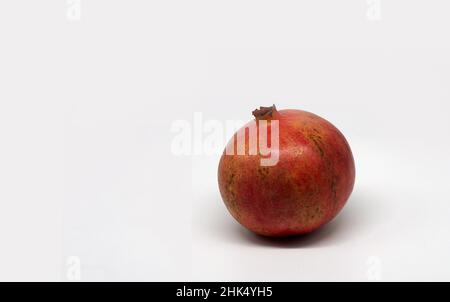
<point>307,185</point>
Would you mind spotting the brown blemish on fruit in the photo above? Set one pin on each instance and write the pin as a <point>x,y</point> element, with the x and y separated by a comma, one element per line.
<point>231,179</point>
<point>333,189</point>
<point>263,172</point>
<point>317,140</point>
<point>231,190</point>
<point>298,151</point>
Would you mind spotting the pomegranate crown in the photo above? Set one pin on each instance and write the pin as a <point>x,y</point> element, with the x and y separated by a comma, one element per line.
<point>264,112</point>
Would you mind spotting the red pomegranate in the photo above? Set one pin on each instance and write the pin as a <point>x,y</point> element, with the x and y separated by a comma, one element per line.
<point>307,185</point>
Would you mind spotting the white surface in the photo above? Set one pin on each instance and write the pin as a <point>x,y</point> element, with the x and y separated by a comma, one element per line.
<point>86,108</point>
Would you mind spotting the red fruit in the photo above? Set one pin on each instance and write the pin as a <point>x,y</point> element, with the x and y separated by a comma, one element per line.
<point>305,189</point>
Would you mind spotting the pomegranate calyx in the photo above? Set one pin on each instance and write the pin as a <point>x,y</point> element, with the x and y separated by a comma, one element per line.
<point>264,112</point>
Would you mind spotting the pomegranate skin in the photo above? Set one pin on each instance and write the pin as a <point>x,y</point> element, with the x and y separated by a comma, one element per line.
<point>309,185</point>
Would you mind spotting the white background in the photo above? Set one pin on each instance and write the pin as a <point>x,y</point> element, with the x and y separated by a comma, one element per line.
<point>88,180</point>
